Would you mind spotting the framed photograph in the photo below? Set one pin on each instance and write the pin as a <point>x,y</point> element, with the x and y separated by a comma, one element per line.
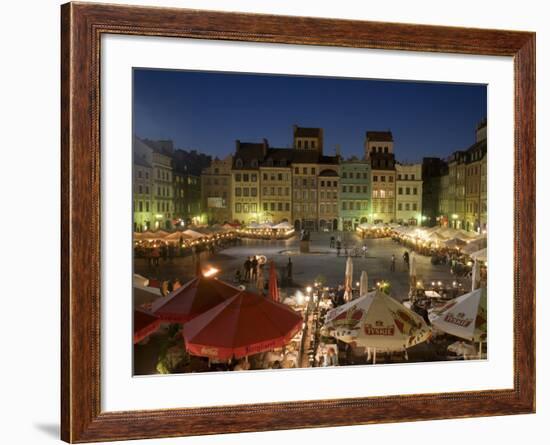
<point>275,222</point>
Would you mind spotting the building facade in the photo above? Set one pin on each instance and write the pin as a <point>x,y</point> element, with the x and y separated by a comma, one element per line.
<point>355,193</point>
<point>216,190</point>
<point>409,193</point>
<point>142,186</point>
<point>379,151</point>
<point>275,189</point>
<point>245,181</point>
<point>328,193</point>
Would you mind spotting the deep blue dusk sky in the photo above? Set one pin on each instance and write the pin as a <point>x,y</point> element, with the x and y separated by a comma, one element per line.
<point>209,111</point>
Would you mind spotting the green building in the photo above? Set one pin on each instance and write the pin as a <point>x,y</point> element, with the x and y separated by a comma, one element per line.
<point>355,193</point>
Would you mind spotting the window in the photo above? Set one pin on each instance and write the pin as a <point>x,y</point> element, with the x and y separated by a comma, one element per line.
<point>407,206</point>
<point>312,170</point>
<point>306,144</point>
<point>412,176</point>
<point>322,183</point>
<point>253,191</point>
<point>266,191</point>
<point>280,176</point>
<point>390,178</point>
<point>344,175</point>
<point>414,206</point>
<point>382,193</point>
<point>364,189</point>
<point>382,178</point>
<point>344,205</point>
<point>253,207</point>
<point>239,163</point>
<point>246,177</point>
<point>254,177</point>
<point>287,206</point>
<point>415,191</point>
<point>287,191</point>
<point>312,144</point>
<point>399,177</point>
<point>245,208</point>
<point>408,191</point>
<point>296,170</point>
<point>238,191</point>
<point>238,177</point>
<point>245,191</point>
<point>344,189</point>
<point>146,206</point>
<point>375,178</point>
<point>399,206</point>
<point>265,206</point>
<point>272,206</point>
<point>280,206</point>
<point>265,176</point>
<point>237,207</point>
<point>400,191</point>
<point>304,170</point>
<point>385,149</point>
<point>375,194</point>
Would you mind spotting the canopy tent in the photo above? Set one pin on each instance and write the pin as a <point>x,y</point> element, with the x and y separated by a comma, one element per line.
<point>192,299</point>
<point>480,255</point>
<point>365,226</point>
<point>253,225</point>
<point>192,234</point>
<point>243,325</point>
<point>285,225</point>
<point>377,321</point>
<point>265,225</point>
<point>148,236</point>
<point>464,317</point>
<point>435,237</point>
<point>175,236</point>
<point>145,323</point>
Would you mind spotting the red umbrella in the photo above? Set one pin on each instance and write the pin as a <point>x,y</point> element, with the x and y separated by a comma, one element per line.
<point>273,288</point>
<point>145,323</point>
<point>240,326</point>
<point>192,299</point>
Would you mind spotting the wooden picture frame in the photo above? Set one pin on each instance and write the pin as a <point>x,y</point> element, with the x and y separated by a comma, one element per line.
<point>82,26</point>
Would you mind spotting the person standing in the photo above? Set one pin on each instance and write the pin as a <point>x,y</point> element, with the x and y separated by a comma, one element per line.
<point>254,268</point>
<point>247,265</point>
<point>392,265</point>
<point>289,269</point>
<point>338,247</point>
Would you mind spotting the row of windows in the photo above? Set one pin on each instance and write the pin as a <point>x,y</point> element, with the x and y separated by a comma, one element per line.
<point>305,208</point>
<point>355,205</point>
<point>305,195</point>
<point>275,177</point>
<point>272,191</point>
<point>164,175</point>
<point>382,178</point>
<point>329,183</point>
<point>382,207</point>
<point>304,182</point>
<point>245,191</point>
<point>245,177</point>
<point>382,193</point>
<point>144,206</point>
<point>357,189</point>
<point>384,149</point>
<point>328,208</point>
<point>407,206</point>
<point>407,190</point>
<point>304,170</point>
<point>306,144</point>
<point>357,175</point>
<point>141,189</point>
<point>140,174</point>
<point>406,177</point>
<point>164,191</point>
<point>246,207</point>
<point>276,206</point>
<point>329,195</point>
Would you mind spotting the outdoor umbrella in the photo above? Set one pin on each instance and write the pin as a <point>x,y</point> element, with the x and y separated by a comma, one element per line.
<point>364,284</point>
<point>348,279</point>
<point>464,317</point>
<point>192,299</point>
<point>377,321</point>
<point>475,245</point>
<point>145,323</point>
<point>193,234</point>
<point>273,287</point>
<point>243,325</point>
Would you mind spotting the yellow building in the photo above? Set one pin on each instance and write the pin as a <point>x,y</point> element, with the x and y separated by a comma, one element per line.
<point>328,191</point>
<point>275,188</point>
<point>409,193</point>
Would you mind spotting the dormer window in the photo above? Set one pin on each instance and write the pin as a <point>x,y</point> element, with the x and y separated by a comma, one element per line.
<point>239,163</point>
<point>254,163</point>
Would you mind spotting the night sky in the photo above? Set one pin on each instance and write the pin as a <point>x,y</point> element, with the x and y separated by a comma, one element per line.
<point>208,111</point>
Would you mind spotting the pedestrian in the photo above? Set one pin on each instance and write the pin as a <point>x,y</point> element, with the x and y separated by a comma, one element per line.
<point>331,242</point>
<point>392,265</point>
<point>238,276</point>
<point>338,247</point>
<point>365,249</point>
<point>247,265</point>
<point>254,268</point>
<point>406,258</point>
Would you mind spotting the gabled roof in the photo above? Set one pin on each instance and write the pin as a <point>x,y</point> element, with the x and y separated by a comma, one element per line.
<point>305,132</point>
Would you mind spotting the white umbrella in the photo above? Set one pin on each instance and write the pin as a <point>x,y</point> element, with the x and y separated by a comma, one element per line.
<point>475,275</point>
<point>464,317</point>
<point>377,321</point>
<point>475,245</point>
<point>363,284</point>
<point>193,234</point>
<point>348,279</point>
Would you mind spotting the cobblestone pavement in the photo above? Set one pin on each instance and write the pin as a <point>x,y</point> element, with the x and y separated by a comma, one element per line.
<point>322,260</point>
